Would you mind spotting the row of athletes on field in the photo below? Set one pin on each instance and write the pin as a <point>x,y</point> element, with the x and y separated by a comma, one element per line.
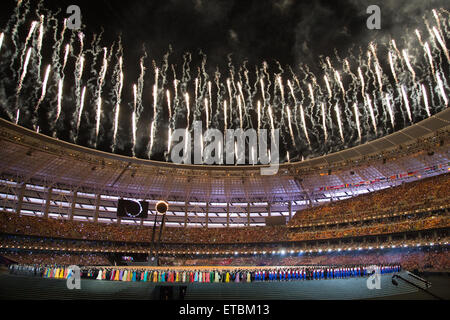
<point>206,276</point>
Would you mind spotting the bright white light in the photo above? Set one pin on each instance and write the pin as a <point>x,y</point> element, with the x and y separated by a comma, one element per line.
<point>282,252</point>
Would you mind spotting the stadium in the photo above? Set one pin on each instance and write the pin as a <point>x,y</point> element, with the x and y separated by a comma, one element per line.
<point>367,219</point>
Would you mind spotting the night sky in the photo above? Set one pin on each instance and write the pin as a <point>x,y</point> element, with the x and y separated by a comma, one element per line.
<point>283,33</point>
<point>289,31</point>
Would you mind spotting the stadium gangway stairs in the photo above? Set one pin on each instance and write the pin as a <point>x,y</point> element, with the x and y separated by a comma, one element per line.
<point>418,281</point>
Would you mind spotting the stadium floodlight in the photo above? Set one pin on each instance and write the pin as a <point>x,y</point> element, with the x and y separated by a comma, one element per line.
<point>393,246</point>
<point>431,243</point>
<point>235,253</point>
<point>359,248</point>
<point>329,250</point>
<point>264,252</point>
<point>292,251</point>
<point>370,248</point>
<point>339,250</point>
<point>320,250</point>
<point>349,249</point>
<point>382,247</point>
<point>161,207</point>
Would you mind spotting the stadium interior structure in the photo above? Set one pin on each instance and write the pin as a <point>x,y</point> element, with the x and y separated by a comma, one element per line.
<point>385,201</point>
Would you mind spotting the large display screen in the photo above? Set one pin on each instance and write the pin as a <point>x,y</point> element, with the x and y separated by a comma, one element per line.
<point>132,208</point>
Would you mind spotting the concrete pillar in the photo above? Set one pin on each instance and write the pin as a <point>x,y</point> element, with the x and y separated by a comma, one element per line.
<point>185,214</point>
<point>248,214</point>
<point>228,214</point>
<point>73,204</point>
<point>290,209</point>
<point>207,214</point>
<point>48,199</point>
<point>20,198</point>
<point>97,206</point>
<point>268,210</point>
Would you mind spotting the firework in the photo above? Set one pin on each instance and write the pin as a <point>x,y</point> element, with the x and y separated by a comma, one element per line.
<point>425,99</point>
<point>24,71</point>
<point>358,125</point>
<point>406,101</point>
<point>338,117</point>
<point>44,87</point>
<point>59,102</point>
<point>324,124</point>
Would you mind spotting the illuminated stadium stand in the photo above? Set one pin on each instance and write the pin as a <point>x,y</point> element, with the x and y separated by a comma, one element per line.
<point>43,176</point>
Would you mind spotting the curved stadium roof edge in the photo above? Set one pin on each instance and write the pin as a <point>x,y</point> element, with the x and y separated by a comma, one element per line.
<point>409,134</point>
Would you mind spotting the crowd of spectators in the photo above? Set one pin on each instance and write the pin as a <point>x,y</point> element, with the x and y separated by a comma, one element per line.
<point>423,194</point>
<point>47,227</point>
<point>26,243</point>
<point>432,257</point>
<point>429,192</point>
<point>13,224</point>
<point>375,229</point>
<point>408,258</point>
<point>65,259</point>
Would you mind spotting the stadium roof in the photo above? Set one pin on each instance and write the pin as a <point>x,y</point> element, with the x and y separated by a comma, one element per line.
<point>38,160</point>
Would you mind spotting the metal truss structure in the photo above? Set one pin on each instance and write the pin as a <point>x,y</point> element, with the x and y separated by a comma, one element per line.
<point>43,176</point>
